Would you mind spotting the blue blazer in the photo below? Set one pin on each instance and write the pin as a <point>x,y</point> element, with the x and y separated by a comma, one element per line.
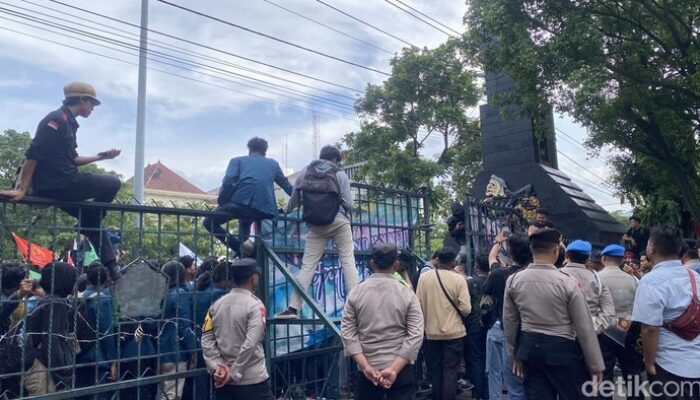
<point>252,178</point>
<point>100,318</point>
<point>177,330</point>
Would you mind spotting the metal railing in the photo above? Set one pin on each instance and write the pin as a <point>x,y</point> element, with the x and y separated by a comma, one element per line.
<point>304,356</point>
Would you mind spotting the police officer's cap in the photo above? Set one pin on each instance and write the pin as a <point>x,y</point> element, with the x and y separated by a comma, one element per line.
<point>580,246</point>
<point>384,254</point>
<point>614,250</point>
<point>244,268</point>
<point>81,89</point>
<point>545,236</point>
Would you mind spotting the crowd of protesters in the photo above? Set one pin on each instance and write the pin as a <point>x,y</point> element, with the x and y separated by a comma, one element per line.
<point>536,319</point>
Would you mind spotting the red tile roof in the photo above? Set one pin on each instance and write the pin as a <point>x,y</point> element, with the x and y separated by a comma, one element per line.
<point>159,177</point>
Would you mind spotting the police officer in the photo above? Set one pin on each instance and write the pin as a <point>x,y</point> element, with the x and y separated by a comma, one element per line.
<point>382,330</point>
<point>232,336</point>
<point>623,287</point>
<point>548,328</point>
<point>600,302</point>
<point>51,170</point>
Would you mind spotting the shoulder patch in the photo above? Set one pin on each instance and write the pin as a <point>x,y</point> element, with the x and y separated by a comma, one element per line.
<point>208,323</point>
<point>53,125</point>
<point>64,117</point>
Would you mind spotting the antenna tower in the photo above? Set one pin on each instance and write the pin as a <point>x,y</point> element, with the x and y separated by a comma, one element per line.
<point>316,141</point>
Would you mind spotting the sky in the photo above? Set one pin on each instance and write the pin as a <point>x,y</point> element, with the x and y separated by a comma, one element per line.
<point>205,101</point>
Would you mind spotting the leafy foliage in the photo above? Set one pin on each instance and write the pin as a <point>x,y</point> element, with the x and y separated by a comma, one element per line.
<point>627,70</point>
<point>428,94</point>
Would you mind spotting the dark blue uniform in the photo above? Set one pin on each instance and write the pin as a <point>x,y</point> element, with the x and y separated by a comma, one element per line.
<point>54,148</point>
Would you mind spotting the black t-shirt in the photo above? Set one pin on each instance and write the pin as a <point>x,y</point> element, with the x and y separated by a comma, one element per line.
<point>641,237</point>
<point>476,288</point>
<point>495,286</point>
<point>54,148</point>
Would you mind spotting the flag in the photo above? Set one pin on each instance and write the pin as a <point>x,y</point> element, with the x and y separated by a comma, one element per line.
<point>185,251</point>
<point>40,256</point>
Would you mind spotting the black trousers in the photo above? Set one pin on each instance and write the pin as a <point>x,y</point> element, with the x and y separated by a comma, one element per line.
<point>554,367</point>
<point>476,343</point>
<point>99,188</point>
<point>443,358</point>
<point>403,388</point>
<point>687,388</point>
<point>134,370</point>
<point>89,376</point>
<point>631,363</point>
<point>259,391</point>
<point>245,215</point>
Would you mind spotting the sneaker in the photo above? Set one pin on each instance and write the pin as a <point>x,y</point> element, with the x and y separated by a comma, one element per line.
<point>465,385</point>
<point>287,314</point>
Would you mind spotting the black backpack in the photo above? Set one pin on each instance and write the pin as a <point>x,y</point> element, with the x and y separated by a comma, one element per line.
<point>320,195</point>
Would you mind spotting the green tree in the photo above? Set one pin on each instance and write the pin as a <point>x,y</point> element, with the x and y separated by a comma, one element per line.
<point>12,147</point>
<point>427,94</point>
<point>626,69</point>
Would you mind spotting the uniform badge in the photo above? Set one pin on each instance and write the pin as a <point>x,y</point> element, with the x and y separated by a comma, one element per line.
<point>53,124</point>
<point>263,314</point>
<point>208,323</point>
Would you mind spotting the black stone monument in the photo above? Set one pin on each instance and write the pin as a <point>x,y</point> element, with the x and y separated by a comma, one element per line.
<point>522,151</point>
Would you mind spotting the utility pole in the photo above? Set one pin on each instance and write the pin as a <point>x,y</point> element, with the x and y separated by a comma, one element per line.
<point>139,152</point>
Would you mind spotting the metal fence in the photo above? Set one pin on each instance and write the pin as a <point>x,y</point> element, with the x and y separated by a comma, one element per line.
<point>149,334</point>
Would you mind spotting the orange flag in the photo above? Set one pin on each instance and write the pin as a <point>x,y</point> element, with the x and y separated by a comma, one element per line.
<point>40,256</point>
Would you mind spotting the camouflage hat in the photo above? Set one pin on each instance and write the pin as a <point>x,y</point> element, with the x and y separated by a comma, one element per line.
<point>80,89</point>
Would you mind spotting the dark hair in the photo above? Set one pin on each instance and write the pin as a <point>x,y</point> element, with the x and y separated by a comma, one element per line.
<point>223,272</point>
<point>577,257</point>
<point>97,275</point>
<point>58,279</point>
<point>187,261</point>
<point>519,249</point>
<point>561,257</point>
<point>330,153</point>
<point>406,259</point>
<point>204,273</point>
<point>446,255</point>
<point>242,279</point>
<point>11,274</point>
<point>482,262</point>
<point>666,240</point>
<point>175,272</point>
<point>636,219</point>
<point>543,211</point>
<point>75,100</point>
<point>257,145</point>
<point>689,248</point>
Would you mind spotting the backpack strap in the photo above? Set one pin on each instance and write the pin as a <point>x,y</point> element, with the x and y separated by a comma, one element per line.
<point>459,313</point>
<point>693,284</point>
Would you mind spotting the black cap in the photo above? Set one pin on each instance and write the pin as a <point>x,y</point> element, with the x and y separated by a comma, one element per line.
<point>244,268</point>
<point>596,256</point>
<point>384,254</point>
<point>545,236</point>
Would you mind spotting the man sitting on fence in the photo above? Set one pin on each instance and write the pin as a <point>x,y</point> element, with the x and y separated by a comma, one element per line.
<point>247,193</point>
<point>51,169</point>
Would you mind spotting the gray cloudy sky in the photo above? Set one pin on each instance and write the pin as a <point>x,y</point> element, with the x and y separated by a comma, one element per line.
<point>204,116</point>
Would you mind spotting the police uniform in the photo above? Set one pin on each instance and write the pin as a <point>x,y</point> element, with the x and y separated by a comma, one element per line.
<point>56,176</point>
<point>233,334</point>
<point>598,297</point>
<point>549,328</point>
<point>623,287</point>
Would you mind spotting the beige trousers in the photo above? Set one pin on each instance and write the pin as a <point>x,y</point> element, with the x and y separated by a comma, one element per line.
<point>316,242</point>
<point>172,390</point>
<point>38,380</point>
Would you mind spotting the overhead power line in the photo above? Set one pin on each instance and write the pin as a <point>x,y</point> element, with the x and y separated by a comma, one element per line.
<point>237,91</point>
<point>176,49</point>
<point>265,35</point>
<point>338,31</point>
<point>429,17</point>
<point>430,24</point>
<point>179,61</point>
<point>218,50</point>
<point>366,23</point>
<point>603,180</point>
